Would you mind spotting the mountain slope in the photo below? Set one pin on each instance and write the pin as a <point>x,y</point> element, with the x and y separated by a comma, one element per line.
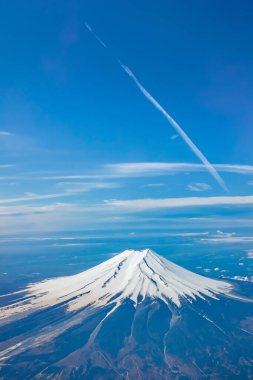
<point>131,274</point>
<point>134,316</point>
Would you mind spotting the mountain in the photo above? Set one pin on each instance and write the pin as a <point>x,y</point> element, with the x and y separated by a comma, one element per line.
<point>137,315</point>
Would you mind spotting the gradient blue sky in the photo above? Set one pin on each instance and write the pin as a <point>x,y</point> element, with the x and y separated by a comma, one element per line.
<point>82,148</point>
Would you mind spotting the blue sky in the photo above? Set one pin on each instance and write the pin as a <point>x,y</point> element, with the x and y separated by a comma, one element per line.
<point>82,147</point>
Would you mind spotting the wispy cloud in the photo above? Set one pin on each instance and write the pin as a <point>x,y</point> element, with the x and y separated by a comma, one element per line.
<point>229,240</point>
<point>199,186</point>
<point>169,118</point>
<point>163,168</point>
<point>76,244</point>
<point>5,133</point>
<point>69,189</point>
<point>79,187</point>
<point>250,253</point>
<point>133,169</point>
<point>94,217</point>
<point>58,177</point>
<point>22,210</point>
<point>33,197</point>
<point>242,278</point>
<point>147,203</point>
<point>231,168</point>
<point>227,237</point>
<point>28,218</point>
<point>6,166</point>
<point>155,185</point>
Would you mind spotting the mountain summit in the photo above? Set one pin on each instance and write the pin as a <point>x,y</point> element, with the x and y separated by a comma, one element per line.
<point>132,274</point>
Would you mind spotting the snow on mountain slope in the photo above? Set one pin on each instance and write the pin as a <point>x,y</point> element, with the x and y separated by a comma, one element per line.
<point>132,274</point>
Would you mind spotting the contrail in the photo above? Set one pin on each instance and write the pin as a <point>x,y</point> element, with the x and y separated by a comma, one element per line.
<point>95,35</point>
<point>170,119</point>
<point>177,127</point>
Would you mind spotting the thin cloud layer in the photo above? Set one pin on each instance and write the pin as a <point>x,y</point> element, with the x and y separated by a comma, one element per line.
<point>199,186</point>
<point>147,204</point>
<point>163,168</point>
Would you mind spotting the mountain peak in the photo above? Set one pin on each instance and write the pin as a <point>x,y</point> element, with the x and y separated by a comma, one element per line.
<point>142,252</point>
<point>132,274</point>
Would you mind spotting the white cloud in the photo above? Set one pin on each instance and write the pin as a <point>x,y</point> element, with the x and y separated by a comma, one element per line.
<point>164,168</point>
<point>76,244</point>
<point>227,237</point>
<point>190,234</point>
<point>199,186</point>
<point>54,177</point>
<point>79,187</point>
<point>70,189</point>
<point>134,169</point>
<point>242,278</point>
<point>250,253</point>
<point>29,210</point>
<point>220,234</point>
<point>33,197</point>
<point>17,219</point>
<point>229,240</point>
<point>148,203</point>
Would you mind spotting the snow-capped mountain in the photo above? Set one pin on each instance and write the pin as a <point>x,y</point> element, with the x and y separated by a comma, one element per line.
<point>133,275</point>
<point>137,315</point>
